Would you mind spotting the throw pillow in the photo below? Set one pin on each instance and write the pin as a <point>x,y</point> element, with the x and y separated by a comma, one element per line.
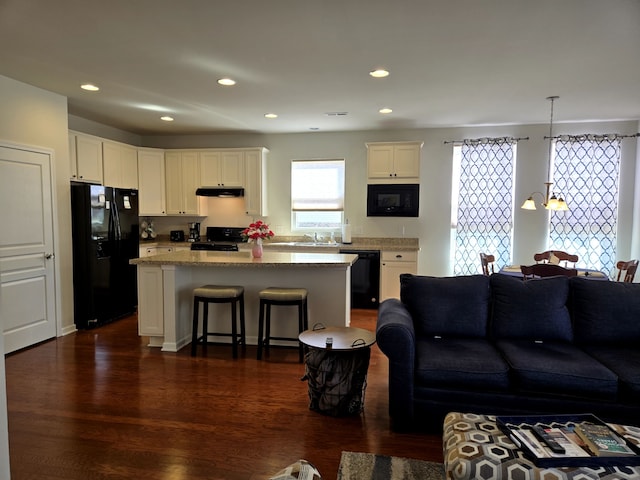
<point>534,309</point>
<point>447,306</point>
<point>605,312</point>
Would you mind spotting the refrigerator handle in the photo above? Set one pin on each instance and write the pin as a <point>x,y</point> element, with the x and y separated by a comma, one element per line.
<point>116,215</point>
<point>111,232</point>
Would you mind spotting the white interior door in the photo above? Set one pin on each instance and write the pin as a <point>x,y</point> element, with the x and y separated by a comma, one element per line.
<point>27,291</point>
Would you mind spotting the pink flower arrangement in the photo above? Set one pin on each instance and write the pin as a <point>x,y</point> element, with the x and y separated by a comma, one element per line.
<point>257,231</point>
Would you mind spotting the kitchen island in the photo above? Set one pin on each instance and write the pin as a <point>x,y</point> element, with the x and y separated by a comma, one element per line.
<point>166,283</point>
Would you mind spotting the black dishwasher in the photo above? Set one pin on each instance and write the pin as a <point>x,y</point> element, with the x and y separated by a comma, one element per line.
<point>365,278</point>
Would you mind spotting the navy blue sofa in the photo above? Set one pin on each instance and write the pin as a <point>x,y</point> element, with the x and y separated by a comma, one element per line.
<point>498,345</point>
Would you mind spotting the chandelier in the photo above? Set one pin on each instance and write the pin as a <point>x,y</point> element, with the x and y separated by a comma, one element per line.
<point>552,202</point>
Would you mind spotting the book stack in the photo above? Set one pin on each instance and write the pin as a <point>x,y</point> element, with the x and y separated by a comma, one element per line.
<point>602,441</point>
<point>569,441</point>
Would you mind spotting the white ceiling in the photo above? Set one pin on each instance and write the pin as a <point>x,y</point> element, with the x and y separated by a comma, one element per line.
<point>452,62</point>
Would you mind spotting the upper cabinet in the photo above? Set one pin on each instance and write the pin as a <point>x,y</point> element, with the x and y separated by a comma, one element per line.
<point>151,180</point>
<point>222,168</point>
<point>182,173</point>
<point>393,162</point>
<point>255,184</point>
<point>120,165</point>
<point>85,154</point>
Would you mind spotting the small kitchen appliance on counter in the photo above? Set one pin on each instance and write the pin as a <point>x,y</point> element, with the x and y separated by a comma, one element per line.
<point>221,239</point>
<point>176,236</point>
<point>194,232</point>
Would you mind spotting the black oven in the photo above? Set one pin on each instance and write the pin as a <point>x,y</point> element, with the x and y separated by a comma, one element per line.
<point>393,200</point>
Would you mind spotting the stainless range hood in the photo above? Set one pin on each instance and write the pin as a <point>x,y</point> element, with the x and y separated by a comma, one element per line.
<point>220,192</point>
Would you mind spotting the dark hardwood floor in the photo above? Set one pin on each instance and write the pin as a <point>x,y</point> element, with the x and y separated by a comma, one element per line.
<point>100,404</point>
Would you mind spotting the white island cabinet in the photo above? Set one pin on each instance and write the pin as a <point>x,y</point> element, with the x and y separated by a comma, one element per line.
<point>166,283</point>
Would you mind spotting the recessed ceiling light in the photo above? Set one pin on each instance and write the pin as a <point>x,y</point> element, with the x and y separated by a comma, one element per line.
<point>385,110</point>
<point>227,82</point>
<point>166,118</point>
<point>270,115</point>
<point>379,73</point>
<point>89,87</point>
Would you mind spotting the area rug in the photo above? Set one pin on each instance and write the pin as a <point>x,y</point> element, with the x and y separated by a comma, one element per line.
<point>368,466</point>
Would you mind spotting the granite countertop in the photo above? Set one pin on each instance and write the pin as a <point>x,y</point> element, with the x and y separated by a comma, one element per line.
<point>283,244</point>
<point>243,258</point>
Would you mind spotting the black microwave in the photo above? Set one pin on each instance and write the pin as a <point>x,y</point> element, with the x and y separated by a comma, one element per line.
<point>393,200</point>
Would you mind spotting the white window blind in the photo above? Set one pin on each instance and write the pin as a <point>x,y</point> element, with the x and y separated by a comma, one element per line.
<point>317,185</point>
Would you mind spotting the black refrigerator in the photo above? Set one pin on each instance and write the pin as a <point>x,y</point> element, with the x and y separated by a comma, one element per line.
<point>105,237</point>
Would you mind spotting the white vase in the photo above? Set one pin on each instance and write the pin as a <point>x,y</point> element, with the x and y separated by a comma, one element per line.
<point>256,251</point>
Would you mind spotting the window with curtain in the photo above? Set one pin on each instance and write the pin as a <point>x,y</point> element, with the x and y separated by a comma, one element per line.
<point>482,202</point>
<point>317,193</point>
<point>587,169</point>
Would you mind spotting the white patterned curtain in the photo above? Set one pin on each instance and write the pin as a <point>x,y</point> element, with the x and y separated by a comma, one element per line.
<point>587,170</point>
<point>484,219</point>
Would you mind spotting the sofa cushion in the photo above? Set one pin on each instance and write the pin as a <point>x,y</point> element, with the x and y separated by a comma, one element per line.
<point>625,363</point>
<point>461,363</point>
<point>535,309</point>
<point>557,367</point>
<point>605,312</point>
<point>447,306</point>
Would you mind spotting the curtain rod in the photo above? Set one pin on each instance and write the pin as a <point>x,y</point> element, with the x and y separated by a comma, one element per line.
<point>594,136</point>
<point>485,140</point>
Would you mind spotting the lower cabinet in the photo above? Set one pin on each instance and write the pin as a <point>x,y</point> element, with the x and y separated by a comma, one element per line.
<point>392,264</point>
<point>150,289</point>
<point>158,250</point>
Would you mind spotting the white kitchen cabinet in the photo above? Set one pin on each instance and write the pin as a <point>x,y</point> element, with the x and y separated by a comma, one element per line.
<point>120,165</point>
<point>151,181</point>
<point>255,191</point>
<point>148,251</point>
<point>392,264</point>
<point>182,173</point>
<point>222,168</point>
<point>85,155</point>
<point>393,162</point>
<point>150,311</point>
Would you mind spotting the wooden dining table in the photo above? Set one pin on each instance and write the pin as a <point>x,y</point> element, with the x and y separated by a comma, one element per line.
<point>514,271</point>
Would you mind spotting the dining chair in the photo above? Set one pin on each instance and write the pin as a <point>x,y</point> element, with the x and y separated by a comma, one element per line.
<point>629,268</point>
<point>558,255</point>
<point>527,272</point>
<point>487,263</point>
<point>546,270</point>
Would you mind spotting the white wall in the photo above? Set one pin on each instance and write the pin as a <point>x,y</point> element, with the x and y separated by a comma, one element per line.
<point>433,225</point>
<point>5,473</point>
<point>33,117</point>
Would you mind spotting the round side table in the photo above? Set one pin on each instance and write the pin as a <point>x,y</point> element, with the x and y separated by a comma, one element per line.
<point>336,365</point>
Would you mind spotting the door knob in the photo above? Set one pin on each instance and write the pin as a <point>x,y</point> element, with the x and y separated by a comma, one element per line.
<point>49,256</point>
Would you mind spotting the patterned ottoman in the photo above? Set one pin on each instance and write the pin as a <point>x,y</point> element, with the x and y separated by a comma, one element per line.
<point>476,449</point>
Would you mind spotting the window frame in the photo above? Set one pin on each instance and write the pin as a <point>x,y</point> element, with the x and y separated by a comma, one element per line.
<point>336,212</point>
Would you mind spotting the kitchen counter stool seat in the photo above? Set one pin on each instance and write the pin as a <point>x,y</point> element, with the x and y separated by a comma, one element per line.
<point>281,296</point>
<point>218,294</point>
